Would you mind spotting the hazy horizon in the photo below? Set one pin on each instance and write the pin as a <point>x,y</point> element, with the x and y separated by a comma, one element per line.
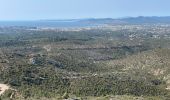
<point>80,9</point>
<point>69,19</point>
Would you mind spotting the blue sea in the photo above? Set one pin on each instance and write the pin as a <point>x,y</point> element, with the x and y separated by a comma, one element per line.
<point>46,23</point>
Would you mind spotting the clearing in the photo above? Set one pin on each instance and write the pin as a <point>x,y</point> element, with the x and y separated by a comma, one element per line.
<point>3,88</point>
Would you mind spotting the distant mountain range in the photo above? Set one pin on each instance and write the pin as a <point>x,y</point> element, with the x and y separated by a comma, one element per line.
<point>129,20</point>
<point>88,22</point>
<point>141,19</point>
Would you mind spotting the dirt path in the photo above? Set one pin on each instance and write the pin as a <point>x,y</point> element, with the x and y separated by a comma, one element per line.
<point>3,88</point>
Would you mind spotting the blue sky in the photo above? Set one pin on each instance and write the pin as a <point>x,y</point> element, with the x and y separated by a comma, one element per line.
<point>73,9</point>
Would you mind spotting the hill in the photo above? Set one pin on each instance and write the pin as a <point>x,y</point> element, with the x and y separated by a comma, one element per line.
<point>122,61</point>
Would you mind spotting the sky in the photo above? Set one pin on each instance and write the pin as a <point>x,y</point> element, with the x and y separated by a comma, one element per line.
<point>75,9</point>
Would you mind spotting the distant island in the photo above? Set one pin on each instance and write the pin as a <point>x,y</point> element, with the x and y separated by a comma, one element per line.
<point>89,22</point>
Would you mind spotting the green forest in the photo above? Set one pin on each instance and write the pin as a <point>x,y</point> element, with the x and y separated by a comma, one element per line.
<point>119,62</point>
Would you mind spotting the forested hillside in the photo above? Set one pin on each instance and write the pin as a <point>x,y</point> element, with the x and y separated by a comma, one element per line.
<point>120,61</point>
